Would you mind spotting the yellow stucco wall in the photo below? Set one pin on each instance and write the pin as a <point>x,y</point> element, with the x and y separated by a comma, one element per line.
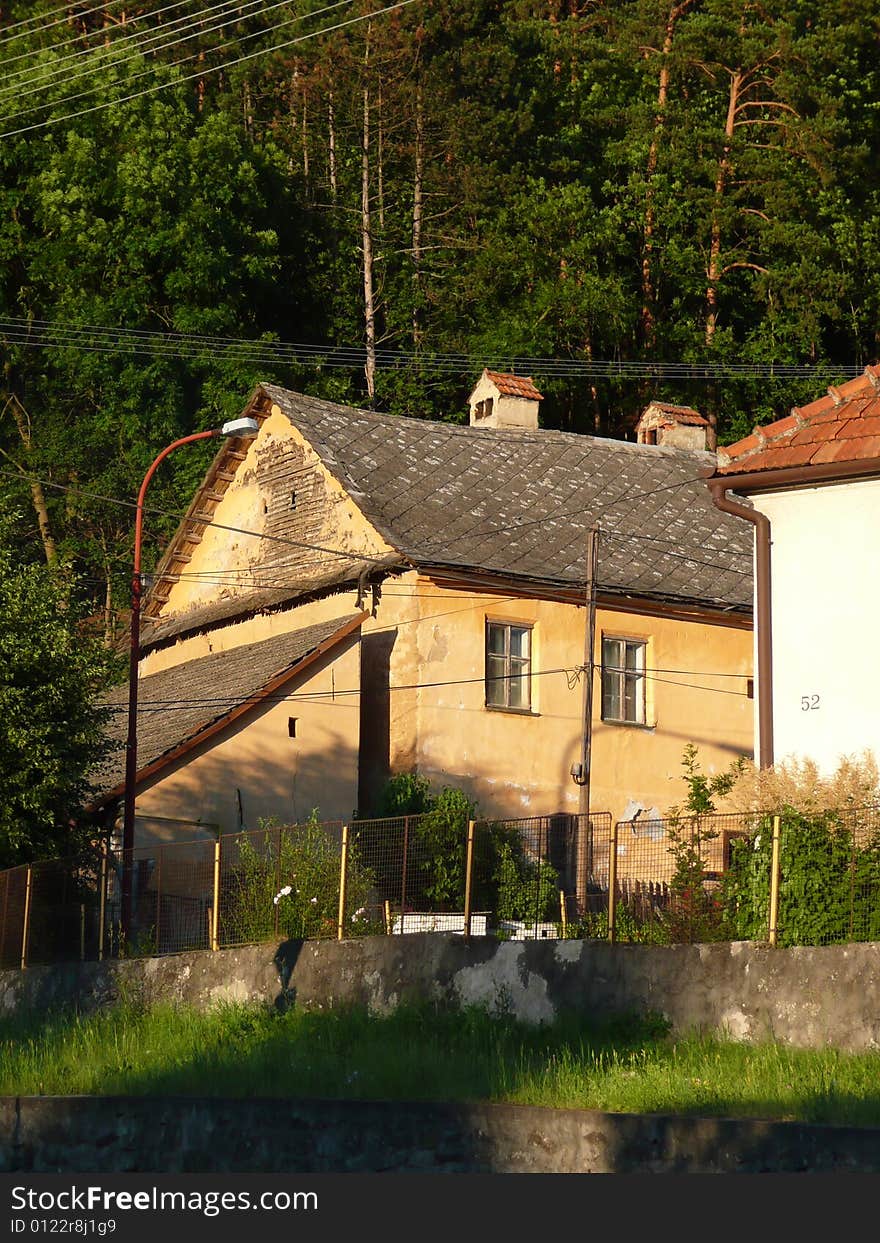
<point>520,764</point>
<point>512,764</point>
<point>278,776</point>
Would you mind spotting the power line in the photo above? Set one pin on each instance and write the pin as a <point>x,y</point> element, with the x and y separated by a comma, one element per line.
<point>221,580</point>
<point>37,52</point>
<point>149,706</point>
<point>65,9</point>
<point>161,86</point>
<point>93,90</point>
<point>142,40</point>
<point>48,334</point>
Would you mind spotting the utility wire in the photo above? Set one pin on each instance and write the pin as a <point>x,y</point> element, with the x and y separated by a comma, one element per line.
<point>37,52</point>
<point>97,87</point>
<point>223,577</point>
<point>47,334</point>
<point>104,57</point>
<point>161,86</point>
<point>65,9</point>
<point>148,706</point>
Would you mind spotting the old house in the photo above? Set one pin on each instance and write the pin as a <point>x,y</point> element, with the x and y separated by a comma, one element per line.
<point>354,594</point>
<point>812,481</point>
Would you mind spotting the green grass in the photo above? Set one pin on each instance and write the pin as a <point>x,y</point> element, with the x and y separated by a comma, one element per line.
<point>629,1065</point>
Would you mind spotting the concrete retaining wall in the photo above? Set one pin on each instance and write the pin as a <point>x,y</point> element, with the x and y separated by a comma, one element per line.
<point>808,997</point>
<point>143,1134</point>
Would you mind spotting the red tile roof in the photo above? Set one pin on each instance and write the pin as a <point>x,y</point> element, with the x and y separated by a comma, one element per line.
<point>843,426</point>
<point>514,385</point>
<point>681,414</point>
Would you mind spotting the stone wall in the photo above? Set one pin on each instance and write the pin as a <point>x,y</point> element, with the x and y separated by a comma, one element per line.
<point>182,1135</point>
<point>809,997</point>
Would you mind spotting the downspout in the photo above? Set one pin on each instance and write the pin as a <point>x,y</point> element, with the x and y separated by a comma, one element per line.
<point>761,523</point>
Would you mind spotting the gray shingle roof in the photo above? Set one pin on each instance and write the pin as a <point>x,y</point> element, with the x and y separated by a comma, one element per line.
<point>521,503</point>
<point>176,704</point>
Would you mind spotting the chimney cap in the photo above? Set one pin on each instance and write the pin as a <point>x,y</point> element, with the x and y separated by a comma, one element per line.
<point>510,385</point>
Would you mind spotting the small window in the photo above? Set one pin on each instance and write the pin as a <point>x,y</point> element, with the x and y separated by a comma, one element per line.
<point>508,666</point>
<point>623,680</point>
<point>483,409</point>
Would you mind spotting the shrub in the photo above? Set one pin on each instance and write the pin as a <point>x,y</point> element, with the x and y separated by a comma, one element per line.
<point>305,861</point>
<point>829,883</point>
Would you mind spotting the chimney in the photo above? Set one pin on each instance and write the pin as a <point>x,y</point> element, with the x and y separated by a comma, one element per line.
<point>503,400</point>
<point>680,426</point>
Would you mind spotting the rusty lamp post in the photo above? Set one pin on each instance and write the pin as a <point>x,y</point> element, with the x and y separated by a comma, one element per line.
<point>235,428</point>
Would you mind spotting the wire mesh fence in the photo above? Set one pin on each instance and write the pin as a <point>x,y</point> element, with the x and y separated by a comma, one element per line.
<point>787,878</point>
<point>671,878</point>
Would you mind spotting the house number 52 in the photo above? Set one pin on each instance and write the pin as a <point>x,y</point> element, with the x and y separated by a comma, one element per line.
<point>809,703</point>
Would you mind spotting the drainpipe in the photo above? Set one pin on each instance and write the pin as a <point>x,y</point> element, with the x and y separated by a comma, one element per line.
<point>761,523</point>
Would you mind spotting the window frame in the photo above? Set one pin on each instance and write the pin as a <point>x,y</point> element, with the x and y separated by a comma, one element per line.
<point>524,662</point>
<point>622,675</point>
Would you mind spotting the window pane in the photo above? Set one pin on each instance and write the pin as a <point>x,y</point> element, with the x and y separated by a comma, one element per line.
<point>496,639</point>
<point>520,684</point>
<point>611,653</point>
<point>610,695</point>
<point>496,681</point>
<point>519,641</point>
<point>519,689</point>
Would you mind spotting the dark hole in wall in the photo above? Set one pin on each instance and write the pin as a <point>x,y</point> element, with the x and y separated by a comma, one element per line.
<point>374,758</point>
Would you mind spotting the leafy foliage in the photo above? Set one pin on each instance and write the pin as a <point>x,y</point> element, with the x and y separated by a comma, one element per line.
<point>303,860</point>
<point>829,881</point>
<point>588,183</point>
<point>52,670</point>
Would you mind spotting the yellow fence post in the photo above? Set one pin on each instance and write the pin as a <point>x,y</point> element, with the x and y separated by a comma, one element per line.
<point>612,883</point>
<point>468,878</point>
<point>102,901</point>
<point>26,922</point>
<point>773,930</point>
<point>343,881</point>
<point>387,918</point>
<point>563,913</point>
<point>215,913</point>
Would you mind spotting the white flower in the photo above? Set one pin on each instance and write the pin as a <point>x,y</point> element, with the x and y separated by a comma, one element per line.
<point>757,841</point>
<point>282,893</point>
<point>314,901</point>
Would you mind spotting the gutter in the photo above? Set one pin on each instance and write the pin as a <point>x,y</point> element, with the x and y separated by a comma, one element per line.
<point>759,481</point>
<point>796,476</point>
<point>763,621</point>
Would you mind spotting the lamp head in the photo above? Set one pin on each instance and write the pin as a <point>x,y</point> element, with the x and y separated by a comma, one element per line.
<point>240,427</point>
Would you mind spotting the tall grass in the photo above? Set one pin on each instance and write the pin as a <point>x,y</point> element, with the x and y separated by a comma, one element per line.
<point>418,1053</point>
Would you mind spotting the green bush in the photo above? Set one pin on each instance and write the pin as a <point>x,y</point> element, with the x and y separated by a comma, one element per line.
<point>527,889</point>
<point>829,885</point>
<point>304,862</point>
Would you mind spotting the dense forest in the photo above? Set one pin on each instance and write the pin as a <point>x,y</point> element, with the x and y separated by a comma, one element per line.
<point>637,198</point>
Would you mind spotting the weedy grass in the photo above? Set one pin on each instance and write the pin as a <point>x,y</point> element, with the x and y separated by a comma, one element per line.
<point>628,1065</point>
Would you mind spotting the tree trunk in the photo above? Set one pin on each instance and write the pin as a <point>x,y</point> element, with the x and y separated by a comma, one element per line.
<point>37,495</point>
<point>418,180</point>
<point>649,325</point>
<point>713,271</point>
<point>331,140</point>
<point>248,111</point>
<point>380,172</point>
<point>367,237</point>
<point>305,138</point>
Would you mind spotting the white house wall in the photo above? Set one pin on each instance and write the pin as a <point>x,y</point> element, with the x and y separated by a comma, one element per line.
<point>826,608</point>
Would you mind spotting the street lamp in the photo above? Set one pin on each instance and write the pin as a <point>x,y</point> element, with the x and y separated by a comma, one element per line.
<point>237,427</point>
